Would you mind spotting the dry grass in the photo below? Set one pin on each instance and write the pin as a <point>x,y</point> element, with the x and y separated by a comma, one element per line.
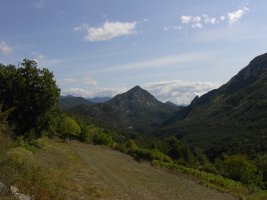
<point>87,172</point>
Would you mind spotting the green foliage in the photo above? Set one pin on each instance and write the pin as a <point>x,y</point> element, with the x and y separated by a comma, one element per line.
<point>69,127</point>
<point>131,146</point>
<point>261,163</point>
<point>179,150</point>
<point>33,94</point>
<point>5,132</point>
<point>145,154</point>
<point>102,138</point>
<point>216,182</point>
<point>240,168</point>
<point>29,178</point>
<point>228,120</point>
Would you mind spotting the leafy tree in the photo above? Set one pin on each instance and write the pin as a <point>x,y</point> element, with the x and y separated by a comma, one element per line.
<point>131,145</point>
<point>179,150</point>
<point>33,94</point>
<point>69,127</point>
<point>102,138</point>
<point>240,168</point>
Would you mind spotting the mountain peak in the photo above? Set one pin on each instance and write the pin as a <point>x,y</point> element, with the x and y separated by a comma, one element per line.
<point>256,67</point>
<point>137,87</point>
<point>135,96</point>
<point>248,74</point>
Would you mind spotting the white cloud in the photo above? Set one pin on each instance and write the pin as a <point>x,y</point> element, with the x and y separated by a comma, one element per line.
<point>186,19</point>
<point>209,20</point>
<point>109,30</point>
<point>235,16</point>
<point>5,48</point>
<point>39,4</point>
<point>176,28</point>
<point>83,27</point>
<point>37,57</point>
<point>179,92</point>
<point>84,80</point>
<point>204,19</point>
<point>194,21</point>
<point>88,81</point>
<point>222,18</point>
<point>94,92</point>
<point>197,25</point>
<point>68,80</point>
<point>160,62</point>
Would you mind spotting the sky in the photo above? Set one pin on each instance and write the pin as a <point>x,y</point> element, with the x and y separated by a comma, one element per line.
<point>174,49</point>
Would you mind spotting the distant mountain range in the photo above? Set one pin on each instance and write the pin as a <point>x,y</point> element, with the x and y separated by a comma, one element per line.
<point>135,110</point>
<point>69,101</point>
<point>100,99</point>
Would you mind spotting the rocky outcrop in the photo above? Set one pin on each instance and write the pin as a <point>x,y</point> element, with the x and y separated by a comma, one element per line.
<point>14,191</point>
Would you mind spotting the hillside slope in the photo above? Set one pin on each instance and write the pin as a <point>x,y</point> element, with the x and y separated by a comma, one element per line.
<point>124,178</point>
<point>230,119</point>
<point>68,102</point>
<point>95,172</point>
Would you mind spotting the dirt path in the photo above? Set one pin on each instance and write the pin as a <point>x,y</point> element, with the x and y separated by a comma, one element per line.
<point>125,179</point>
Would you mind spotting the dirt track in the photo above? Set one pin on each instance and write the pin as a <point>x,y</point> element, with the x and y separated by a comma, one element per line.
<point>122,178</point>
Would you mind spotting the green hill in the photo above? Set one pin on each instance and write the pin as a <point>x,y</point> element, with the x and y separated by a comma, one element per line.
<point>230,119</point>
<point>135,110</point>
<point>69,102</point>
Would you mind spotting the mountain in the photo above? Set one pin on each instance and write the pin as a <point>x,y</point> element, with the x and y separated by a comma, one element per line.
<point>136,110</point>
<point>171,104</point>
<point>229,119</point>
<point>69,101</point>
<point>99,99</point>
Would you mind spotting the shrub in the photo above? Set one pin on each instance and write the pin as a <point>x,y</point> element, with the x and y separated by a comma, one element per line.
<point>102,138</point>
<point>30,179</point>
<point>240,168</point>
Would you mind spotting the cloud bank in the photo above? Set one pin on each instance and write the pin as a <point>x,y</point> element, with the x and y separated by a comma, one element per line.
<point>5,49</point>
<point>235,16</point>
<point>177,91</point>
<point>198,21</point>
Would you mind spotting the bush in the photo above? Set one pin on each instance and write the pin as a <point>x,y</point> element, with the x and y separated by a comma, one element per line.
<point>143,154</point>
<point>69,127</point>
<point>5,132</point>
<point>102,138</point>
<point>30,179</point>
<point>261,163</point>
<point>240,168</point>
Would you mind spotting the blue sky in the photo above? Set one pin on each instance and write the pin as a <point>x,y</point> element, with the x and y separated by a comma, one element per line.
<point>175,49</point>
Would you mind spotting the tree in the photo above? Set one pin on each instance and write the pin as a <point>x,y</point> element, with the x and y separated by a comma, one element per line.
<point>179,150</point>
<point>69,127</point>
<point>33,94</point>
<point>240,168</point>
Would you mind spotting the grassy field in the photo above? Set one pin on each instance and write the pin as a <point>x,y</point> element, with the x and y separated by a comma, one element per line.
<point>124,178</point>
<point>84,171</point>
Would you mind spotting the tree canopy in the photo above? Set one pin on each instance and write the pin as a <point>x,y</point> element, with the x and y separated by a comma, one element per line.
<point>32,93</point>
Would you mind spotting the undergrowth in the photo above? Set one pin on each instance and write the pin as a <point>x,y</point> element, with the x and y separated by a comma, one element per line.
<point>217,182</point>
